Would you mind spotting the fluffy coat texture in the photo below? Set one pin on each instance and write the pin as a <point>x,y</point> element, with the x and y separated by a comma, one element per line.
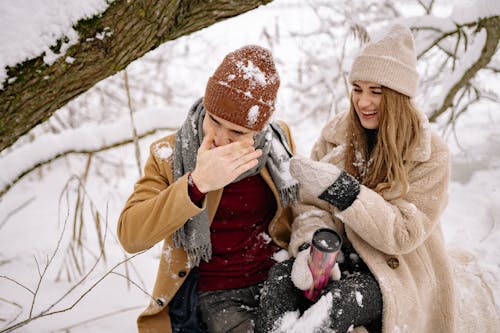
<point>400,239</point>
<point>157,208</point>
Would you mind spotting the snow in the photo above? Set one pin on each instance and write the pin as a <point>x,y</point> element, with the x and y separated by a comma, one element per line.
<point>473,10</point>
<point>34,209</point>
<point>466,61</point>
<point>162,151</point>
<point>313,318</point>
<point>85,138</point>
<point>267,239</point>
<point>281,255</point>
<point>252,73</point>
<point>359,299</point>
<point>253,115</point>
<point>28,28</point>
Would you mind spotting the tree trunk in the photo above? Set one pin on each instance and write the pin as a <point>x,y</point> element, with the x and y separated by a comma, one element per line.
<point>130,29</point>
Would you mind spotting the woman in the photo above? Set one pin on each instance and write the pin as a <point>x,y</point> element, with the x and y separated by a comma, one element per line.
<point>379,177</point>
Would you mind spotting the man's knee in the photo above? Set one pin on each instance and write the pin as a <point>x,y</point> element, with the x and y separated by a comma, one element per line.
<point>280,269</point>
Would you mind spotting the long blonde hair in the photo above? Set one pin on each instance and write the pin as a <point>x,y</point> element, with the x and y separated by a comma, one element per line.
<point>398,132</point>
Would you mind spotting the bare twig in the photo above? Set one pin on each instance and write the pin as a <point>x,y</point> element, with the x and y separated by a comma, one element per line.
<point>47,264</point>
<point>134,130</point>
<point>110,314</point>
<point>15,210</point>
<point>6,188</point>
<point>135,284</point>
<point>50,310</point>
<point>47,311</point>
<point>18,283</point>
<point>427,6</point>
<point>18,306</point>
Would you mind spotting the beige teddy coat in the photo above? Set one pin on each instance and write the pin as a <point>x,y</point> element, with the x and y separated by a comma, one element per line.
<point>400,239</point>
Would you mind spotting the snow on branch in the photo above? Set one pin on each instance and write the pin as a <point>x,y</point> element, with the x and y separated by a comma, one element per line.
<point>455,49</point>
<point>87,139</point>
<point>32,90</point>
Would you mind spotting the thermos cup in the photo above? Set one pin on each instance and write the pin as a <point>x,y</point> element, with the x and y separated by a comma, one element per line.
<point>325,246</point>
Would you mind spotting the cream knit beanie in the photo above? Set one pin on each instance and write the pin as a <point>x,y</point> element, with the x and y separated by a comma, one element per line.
<point>389,61</point>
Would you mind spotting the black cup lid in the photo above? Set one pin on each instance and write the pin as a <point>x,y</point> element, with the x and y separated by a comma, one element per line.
<point>326,240</point>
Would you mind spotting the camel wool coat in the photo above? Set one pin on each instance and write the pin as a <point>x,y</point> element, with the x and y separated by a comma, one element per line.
<point>159,206</point>
<point>400,239</point>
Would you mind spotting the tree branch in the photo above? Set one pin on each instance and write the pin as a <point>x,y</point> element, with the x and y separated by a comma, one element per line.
<point>107,44</point>
<point>492,38</point>
<point>29,169</point>
<point>132,124</point>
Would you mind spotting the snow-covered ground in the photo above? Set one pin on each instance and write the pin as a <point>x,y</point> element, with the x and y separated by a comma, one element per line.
<point>40,208</point>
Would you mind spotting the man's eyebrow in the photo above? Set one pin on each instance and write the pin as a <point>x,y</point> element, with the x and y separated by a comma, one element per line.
<point>232,130</point>
<point>238,131</point>
<point>213,119</point>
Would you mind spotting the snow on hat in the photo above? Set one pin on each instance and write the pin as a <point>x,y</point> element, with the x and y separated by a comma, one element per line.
<point>243,88</point>
<point>389,61</point>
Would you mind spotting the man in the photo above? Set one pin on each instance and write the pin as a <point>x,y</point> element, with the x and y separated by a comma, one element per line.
<point>216,193</point>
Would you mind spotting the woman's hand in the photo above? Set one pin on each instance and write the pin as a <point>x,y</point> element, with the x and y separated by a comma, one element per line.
<point>325,181</point>
<point>302,276</point>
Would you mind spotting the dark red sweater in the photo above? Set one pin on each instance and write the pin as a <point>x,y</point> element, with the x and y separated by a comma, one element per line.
<point>241,247</point>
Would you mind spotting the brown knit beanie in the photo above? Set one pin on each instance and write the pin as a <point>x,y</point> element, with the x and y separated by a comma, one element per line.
<point>389,61</point>
<point>243,88</point>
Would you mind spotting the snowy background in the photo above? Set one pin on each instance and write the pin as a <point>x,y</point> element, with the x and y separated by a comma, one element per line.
<point>70,206</point>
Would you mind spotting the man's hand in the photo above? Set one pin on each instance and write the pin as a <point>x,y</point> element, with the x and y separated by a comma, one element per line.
<point>218,166</point>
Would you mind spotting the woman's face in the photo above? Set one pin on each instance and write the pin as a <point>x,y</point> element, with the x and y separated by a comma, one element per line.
<point>366,97</point>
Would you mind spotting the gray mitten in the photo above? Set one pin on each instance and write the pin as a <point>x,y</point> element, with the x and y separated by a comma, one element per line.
<point>325,181</point>
<point>302,277</point>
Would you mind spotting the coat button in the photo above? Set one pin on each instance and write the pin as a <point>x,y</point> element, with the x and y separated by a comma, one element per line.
<point>182,273</point>
<point>393,263</point>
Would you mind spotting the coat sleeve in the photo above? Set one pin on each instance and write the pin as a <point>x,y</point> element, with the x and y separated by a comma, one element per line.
<point>401,225</point>
<point>311,213</point>
<point>157,207</point>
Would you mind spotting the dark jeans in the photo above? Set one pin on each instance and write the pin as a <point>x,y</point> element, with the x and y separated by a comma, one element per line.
<point>356,298</point>
<point>231,310</point>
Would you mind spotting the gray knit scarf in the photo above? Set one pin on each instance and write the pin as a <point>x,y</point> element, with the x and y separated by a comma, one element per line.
<point>194,235</point>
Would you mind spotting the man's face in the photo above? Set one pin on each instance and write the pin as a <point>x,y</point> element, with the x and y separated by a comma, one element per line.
<point>225,131</point>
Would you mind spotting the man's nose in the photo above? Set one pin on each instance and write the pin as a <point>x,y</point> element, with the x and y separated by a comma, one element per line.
<point>222,138</point>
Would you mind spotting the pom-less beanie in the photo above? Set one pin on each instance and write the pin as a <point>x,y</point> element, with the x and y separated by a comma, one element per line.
<point>389,61</point>
<point>244,87</point>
